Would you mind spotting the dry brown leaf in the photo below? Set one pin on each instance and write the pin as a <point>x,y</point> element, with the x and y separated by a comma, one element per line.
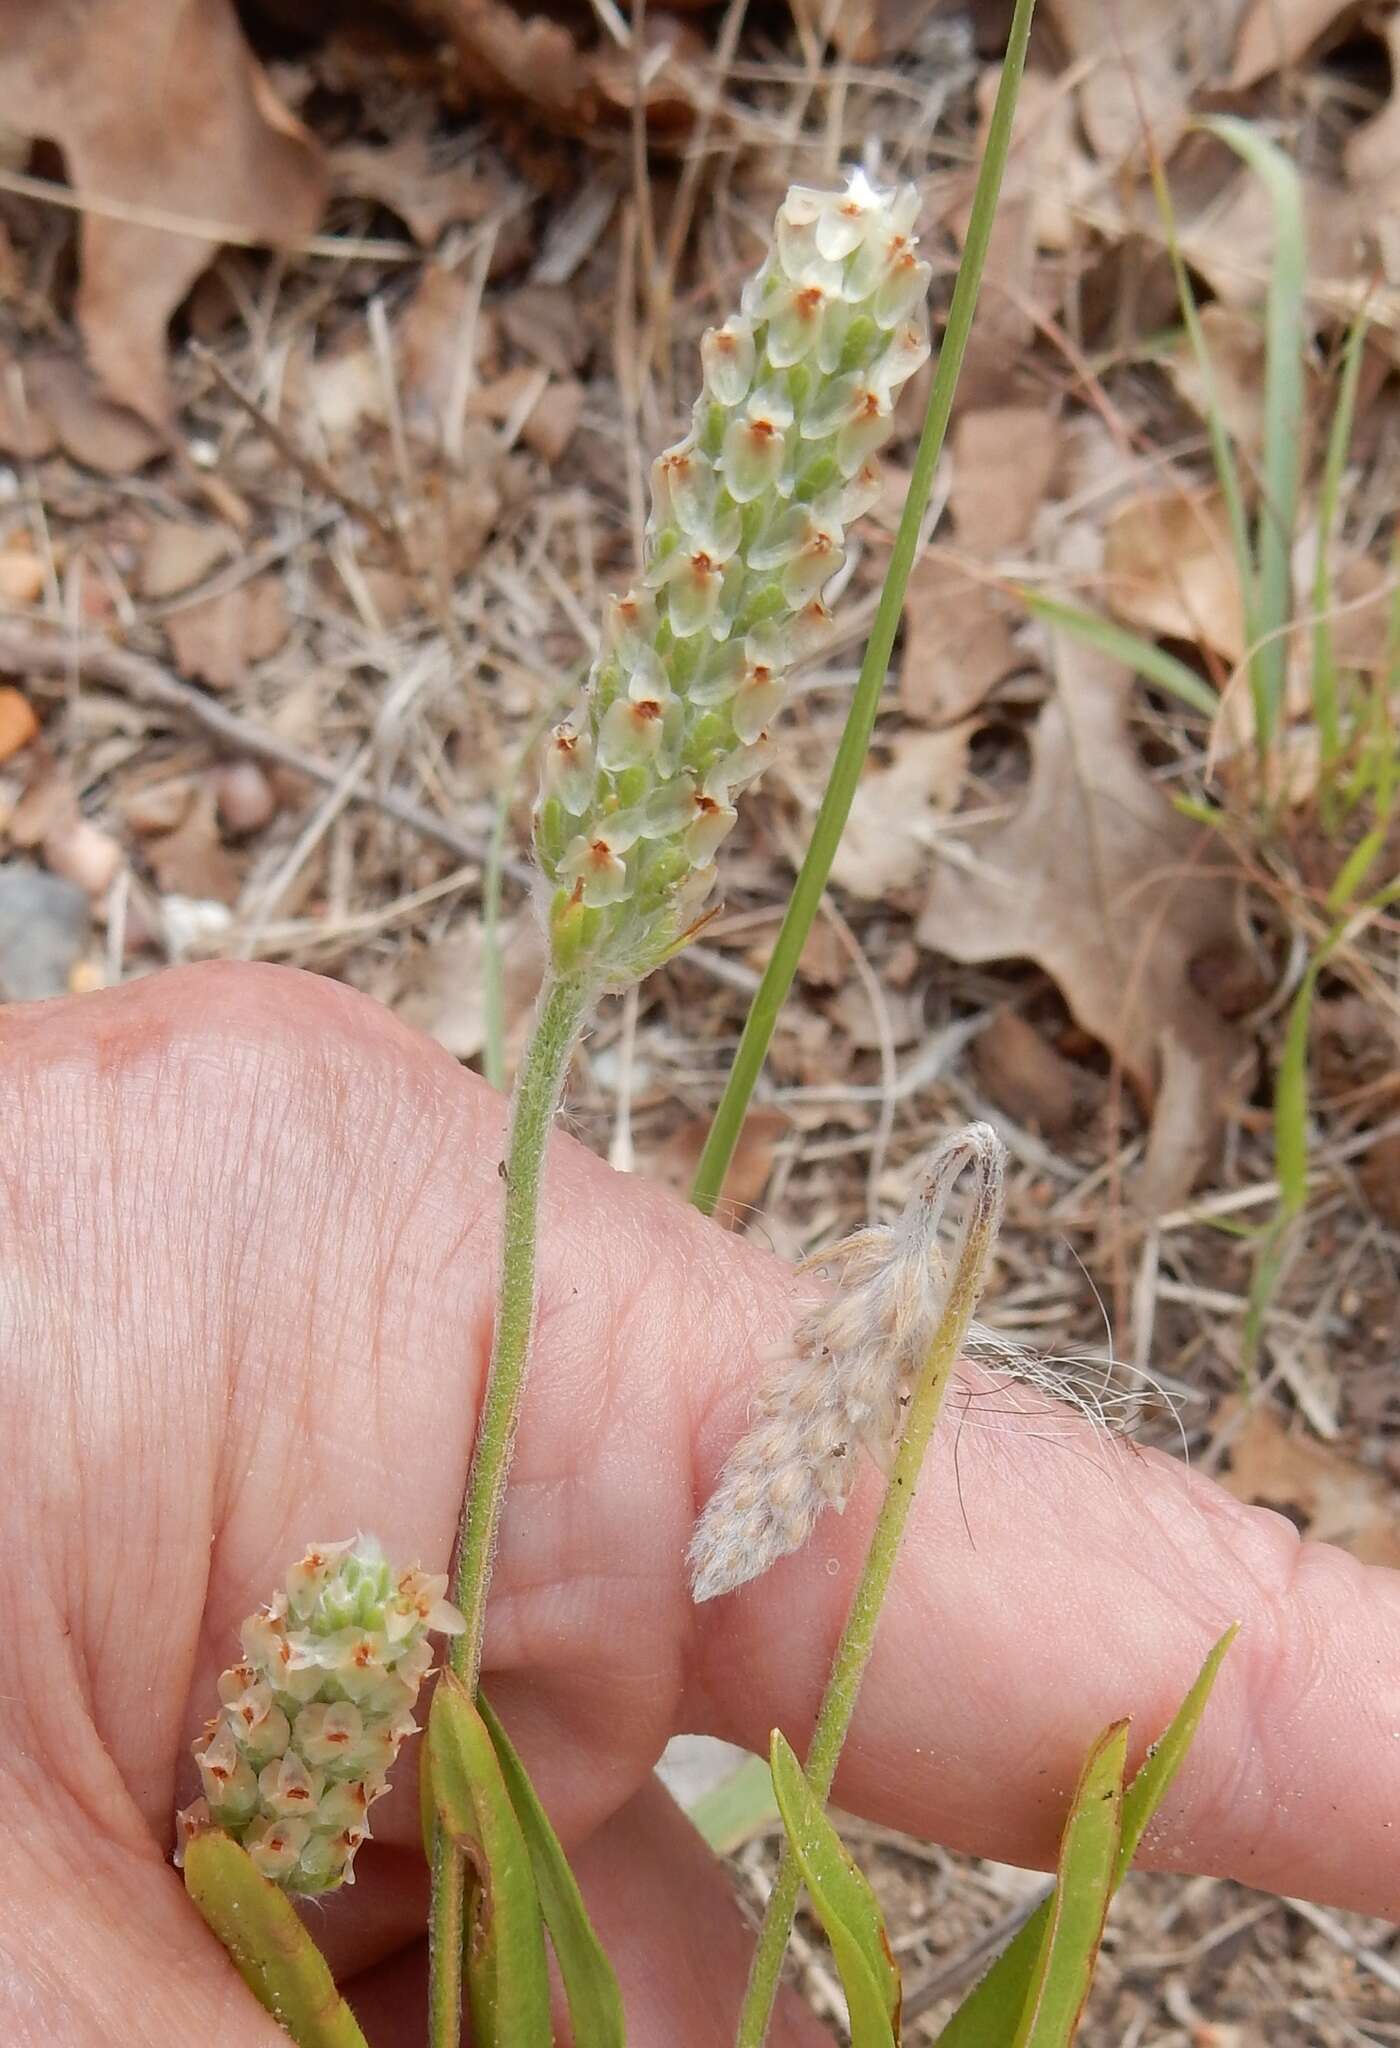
<point>885,846</point>
<point>1099,881</point>
<point>428,191</point>
<point>445,995</point>
<point>1275,34</point>
<point>192,860</point>
<point>155,104</point>
<point>957,644</point>
<point>1337,1500</point>
<point>1003,459</point>
<point>1372,153</point>
<point>1168,568</point>
<point>219,639</point>
<point>430,336</point>
<point>178,554</point>
<point>1025,1076</point>
<point>1142,67</point>
<point>21,570</point>
<point>19,722</point>
<point>51,401</point>
<point>544,321</point>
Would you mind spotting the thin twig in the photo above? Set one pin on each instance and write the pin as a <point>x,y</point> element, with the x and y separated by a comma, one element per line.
<point>31,648</point>
<point>315,472</point>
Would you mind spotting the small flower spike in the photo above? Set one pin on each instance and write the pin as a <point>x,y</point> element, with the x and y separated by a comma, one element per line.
<point>311,1721</point>
<point>748,527</point>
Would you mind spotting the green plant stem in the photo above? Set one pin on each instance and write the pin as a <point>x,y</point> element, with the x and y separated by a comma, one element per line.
<point>865,702</point>
<point>564,1004</point>
<point>858,1636</point>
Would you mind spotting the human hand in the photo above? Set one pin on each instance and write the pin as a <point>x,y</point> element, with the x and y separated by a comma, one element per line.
<point>245,1303</point>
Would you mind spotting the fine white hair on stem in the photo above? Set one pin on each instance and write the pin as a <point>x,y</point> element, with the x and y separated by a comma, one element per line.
<point>841,1382</point>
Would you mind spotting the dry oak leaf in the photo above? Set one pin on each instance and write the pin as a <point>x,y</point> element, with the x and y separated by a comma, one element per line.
<point>192,860</point>
<point>1024,1074</point>
<point>51,401</point>
<point>1101,883</point>
<point>957,644</point>
<point>1142,65</point>
<point>1337,1500</point>
<point>1372,152</point>
<point>179,554</point>
<point>155,104</point>
<point>1168,568</point>
<point>1275,34</point>
<point>894,815</point>
<point>219,639</point>
<point>427,189</point>
<point>1003,460</point>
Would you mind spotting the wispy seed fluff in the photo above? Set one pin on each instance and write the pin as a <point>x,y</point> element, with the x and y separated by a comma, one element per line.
<point>748,526</point>
<point>311,1721</point>
<point>841,1384</point>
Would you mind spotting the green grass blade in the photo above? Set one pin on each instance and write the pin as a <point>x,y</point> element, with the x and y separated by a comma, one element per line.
<point>1123,645</point>
<point>845,1905</point>
<point>740,1807</point>
<point>1291,1099</point>
<point>590,1986</point>
<point>1285,338</point>
<point>1222,454</point>
<point>1324,665</point>
<point>865,702</point>
<point>989,2012</point>
<point>1084,1884</point>
<point>269,1946</point>
<point>507,1969</point>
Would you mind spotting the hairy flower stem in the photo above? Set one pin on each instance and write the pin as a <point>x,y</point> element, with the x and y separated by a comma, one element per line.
<point>564,1007</point>
<point>858,1636</point>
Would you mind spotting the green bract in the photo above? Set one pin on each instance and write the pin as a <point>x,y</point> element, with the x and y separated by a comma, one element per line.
<point>312,1719</point>
<point>748,525</point>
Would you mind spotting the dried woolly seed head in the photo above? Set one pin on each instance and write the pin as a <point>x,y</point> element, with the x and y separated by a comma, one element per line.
<point>748,526</point>
<point>839,1388</point>
<point>311,1720</point>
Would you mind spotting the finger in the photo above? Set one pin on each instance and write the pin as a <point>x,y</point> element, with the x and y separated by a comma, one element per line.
<point>97,1940</point>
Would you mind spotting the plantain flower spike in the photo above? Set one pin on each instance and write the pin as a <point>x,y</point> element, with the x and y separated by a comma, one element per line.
<point>312,1719</point>
<point>748,526</point>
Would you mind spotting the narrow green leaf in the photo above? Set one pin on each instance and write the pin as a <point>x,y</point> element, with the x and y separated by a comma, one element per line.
<point>1285,336</point>
<point>595,2003</point>
<point>1131,648</point>
<point>854,744</point>
<point>1084,1884</point>
<point>989,2012</point>
<point>737,1809</point>
<point>1324,664</point>
<point>1291,1099</point>
<point>269,1946</point>
<point>845,1905</point>
<point>507,1969</point>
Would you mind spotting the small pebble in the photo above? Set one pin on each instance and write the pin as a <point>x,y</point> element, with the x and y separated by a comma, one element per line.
<point>43,927</point>
<point>84,854</point>
<point>246,799</point>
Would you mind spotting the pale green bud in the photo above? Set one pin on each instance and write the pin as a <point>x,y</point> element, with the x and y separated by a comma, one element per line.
<point>310,1723</point>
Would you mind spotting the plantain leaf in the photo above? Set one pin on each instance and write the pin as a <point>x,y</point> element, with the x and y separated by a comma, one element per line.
<point>1088,1858</point>
<point>507,1970</point>
<point>845,1905</point>
<point>595,2003</point>
<point>991,2008</point>
<point>270,1948</point>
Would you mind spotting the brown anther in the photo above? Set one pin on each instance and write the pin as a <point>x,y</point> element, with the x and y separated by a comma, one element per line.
<point>602,853</point>
<point>297,1792</point>
<point>364,1654</point>
<point>760,673</point>
<point>724,341</point>
<point>870,405</point>
<point>852,209</point>
<point>701,564</point>
<point>646,710</point>
<point>341,1735</point>
<point>566,742</point>
<point>810,300</point>
<point>705,805</point>
<point>762,430</point>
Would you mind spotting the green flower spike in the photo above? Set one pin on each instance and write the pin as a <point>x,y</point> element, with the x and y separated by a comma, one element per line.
<point>312,1720</point>
<point>748,526</point>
